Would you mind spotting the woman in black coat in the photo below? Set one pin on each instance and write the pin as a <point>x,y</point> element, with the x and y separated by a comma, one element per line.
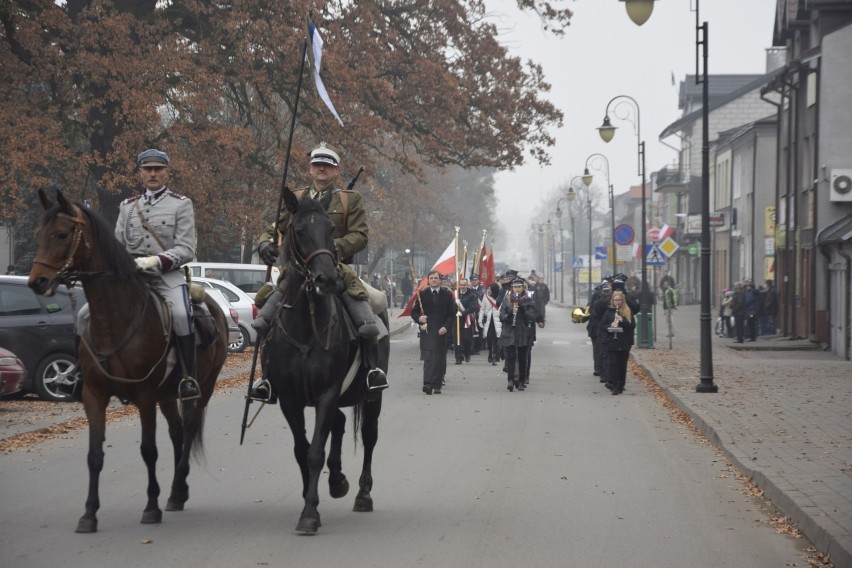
<point>518,316</point>
<point>616,332</point>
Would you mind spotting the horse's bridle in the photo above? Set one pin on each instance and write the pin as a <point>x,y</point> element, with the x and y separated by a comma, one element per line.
<point>63,275</point>
<point>302,263</point>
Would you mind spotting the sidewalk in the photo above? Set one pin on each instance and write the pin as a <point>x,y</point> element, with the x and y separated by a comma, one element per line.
<point>783,414</point>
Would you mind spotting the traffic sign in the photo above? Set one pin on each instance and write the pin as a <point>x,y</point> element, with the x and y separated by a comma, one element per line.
<point>654,256</point>
<point>557,266</point>
<point>578,262</point>
<point>601,253</point>
<point>692,249</point>
<point>669,247</point>
<point>624,234</point>
<point>654,234</point>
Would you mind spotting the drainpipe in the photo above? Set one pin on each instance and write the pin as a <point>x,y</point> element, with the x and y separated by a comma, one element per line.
<point>797,249</point>
<point>780,113</point>
<point>847,335</point>
<point>754,206</point>
<point>815,177</point>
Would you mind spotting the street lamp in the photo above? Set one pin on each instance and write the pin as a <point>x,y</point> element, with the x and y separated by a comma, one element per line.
<point>587,180</point>
<point>639,10</point>
<point>562,250</point>
<point>701,41</point>
<point>571,197</point>
<point>607,132</point>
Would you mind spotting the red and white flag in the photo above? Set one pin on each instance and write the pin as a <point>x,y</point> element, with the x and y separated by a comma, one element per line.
<point>445,264</point>
<point>486,270</point>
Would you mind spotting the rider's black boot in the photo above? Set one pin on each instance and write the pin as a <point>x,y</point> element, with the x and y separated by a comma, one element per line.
<point>188,388</point>
<point>376,377</point>
<point>362,316</point>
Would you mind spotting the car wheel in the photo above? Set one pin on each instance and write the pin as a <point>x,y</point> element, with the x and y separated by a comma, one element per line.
<point>53,370</point>
<point>240,346</point>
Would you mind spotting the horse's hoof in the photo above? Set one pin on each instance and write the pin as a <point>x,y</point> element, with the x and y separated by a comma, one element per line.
<point>363,504</point>
<point>308,525</point>
<point>87,525</point>
<point>339,490</point>
<point>174,505</point>
<point>152,517</point>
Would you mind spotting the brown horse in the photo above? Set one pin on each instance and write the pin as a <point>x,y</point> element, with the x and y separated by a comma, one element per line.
<point>125,351</point>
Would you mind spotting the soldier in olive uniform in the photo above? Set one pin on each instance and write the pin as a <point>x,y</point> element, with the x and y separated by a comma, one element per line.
<point>157,228</point>
<point>351,234</point>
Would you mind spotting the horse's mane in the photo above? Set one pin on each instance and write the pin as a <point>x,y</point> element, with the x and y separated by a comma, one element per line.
<point>113,251</point>
<point>308,205</point>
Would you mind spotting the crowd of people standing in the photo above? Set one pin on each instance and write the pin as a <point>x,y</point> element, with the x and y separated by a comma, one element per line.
<point>466,319</point>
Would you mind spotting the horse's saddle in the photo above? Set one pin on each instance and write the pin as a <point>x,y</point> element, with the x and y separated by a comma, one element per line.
<point>205,325</point>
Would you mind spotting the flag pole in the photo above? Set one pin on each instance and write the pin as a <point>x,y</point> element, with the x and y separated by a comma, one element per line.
<point>458,320</point>
<point>268,276</point>
<point>477,258</point>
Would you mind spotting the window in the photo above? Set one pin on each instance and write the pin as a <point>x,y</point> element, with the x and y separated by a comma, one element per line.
<point>18,301</point>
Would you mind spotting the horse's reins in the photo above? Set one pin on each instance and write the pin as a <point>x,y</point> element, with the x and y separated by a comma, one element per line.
<point>300,264</point>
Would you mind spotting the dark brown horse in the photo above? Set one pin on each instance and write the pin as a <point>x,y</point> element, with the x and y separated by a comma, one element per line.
<point>126,350</point>
<point>309,350</point>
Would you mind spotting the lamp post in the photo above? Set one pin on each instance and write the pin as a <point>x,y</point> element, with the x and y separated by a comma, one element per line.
<point>607,131</point>
<point>548,270</point>
<point>562,250</point>
<point>701,41</point>
<point>587,180</point>
<point>571,196</point>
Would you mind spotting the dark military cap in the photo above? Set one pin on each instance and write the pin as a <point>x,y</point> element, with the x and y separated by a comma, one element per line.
<point>518,282</point>
<point>152,157</point>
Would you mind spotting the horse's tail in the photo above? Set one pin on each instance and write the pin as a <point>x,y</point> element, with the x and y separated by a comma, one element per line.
<point>357,417</point>
<point>191,410</point>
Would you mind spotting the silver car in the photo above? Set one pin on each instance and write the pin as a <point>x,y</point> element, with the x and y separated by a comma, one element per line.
<point>231,317</point>
<point>241,302</point>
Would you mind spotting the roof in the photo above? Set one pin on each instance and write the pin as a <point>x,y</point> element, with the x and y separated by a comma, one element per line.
<point>838,232</point>
<point>719,86</point>
<point>694,116</point>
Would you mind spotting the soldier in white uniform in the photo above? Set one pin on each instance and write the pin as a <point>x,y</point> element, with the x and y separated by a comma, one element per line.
<point>158,229</point>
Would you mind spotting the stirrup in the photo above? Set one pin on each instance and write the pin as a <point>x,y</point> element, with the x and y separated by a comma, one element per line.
<point>376,380</point>
<point>70,388</point>
<point>188,389</point>
<point>262,391</point>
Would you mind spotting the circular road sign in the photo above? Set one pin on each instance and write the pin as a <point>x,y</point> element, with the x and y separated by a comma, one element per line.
<point>624,234</point>
<point>654,234</point>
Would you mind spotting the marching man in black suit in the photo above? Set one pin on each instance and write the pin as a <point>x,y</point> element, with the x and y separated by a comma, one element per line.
<point>436,309</point>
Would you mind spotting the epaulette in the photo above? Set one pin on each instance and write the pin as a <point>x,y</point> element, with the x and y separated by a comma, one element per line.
<point>177,195</point>
<point>130,200</point>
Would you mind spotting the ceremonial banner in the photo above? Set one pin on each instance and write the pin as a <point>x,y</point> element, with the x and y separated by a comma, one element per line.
<point>486,270</point>
<point>315,59</point>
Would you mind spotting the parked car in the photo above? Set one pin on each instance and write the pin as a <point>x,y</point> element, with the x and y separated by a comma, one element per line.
<point>12,373</point>
<point>247,277</point>
<point>241,302</point>
<point>231,316</point>
<point>40,331</point>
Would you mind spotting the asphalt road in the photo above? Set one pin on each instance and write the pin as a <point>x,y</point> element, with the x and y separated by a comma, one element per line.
<point>560,475</point>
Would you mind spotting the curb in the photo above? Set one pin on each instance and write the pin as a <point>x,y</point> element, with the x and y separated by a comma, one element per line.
<point>812,527</point>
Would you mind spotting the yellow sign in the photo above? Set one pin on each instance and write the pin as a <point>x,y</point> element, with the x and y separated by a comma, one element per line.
<point>769,222</point>
<point>669,247</point>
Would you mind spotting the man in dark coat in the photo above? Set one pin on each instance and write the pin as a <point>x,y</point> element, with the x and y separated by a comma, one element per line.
<point>468,307</point>
<point>770,307</point>
<point>738,310</point>
<point>407,287</point>
<point>435,308</point>
<point>597,308</point>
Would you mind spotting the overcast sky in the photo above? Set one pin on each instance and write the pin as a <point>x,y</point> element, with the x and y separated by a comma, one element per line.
<point>603,54</point>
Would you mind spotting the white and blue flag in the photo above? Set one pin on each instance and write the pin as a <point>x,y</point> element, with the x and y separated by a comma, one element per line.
<point>315,60</point>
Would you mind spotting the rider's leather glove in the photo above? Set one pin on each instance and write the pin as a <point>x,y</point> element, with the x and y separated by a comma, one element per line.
<point>148,263</point>
<point>268,253</point>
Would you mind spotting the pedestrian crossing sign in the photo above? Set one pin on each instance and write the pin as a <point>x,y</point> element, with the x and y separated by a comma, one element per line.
<point>578,262</point>
<point>654,256</point>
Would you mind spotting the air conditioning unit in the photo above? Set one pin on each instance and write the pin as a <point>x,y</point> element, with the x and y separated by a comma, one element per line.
<point>840,187</point>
